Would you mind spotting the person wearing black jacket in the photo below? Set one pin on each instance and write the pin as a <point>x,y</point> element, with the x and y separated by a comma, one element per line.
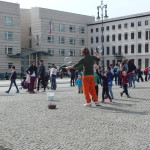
<point>105,89</point>
<point>41,75</point>
<point>13,77</point>
<point>32,71</point>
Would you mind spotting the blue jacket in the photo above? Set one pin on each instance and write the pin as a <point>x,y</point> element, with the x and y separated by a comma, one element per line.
<point>79,82</point>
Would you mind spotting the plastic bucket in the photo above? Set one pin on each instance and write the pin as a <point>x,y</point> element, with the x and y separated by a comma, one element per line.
<point>50,96</point>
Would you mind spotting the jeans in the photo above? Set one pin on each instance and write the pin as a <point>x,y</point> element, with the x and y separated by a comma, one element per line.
<point>110,91</point>
<point>13,81</point>
<point>132,80</point>
<point>53,84</point>
<point>105,90</point>
<point>125,89</point>
<point>72,81</point>
<point>43,82</point>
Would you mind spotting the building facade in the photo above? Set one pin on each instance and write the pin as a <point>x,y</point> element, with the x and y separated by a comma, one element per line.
<point>10,36</point>
<point>53,35</point>
<point>125,37</point>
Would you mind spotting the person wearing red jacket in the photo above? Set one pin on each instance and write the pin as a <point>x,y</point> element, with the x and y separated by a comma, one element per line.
<point>146,73</point>
<point>125,81</point>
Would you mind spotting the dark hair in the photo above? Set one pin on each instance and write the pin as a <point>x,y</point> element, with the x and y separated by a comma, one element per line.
<point>41,61</point>
<point>13,67</point>
<point>108,68</point>
<point>85,51</point>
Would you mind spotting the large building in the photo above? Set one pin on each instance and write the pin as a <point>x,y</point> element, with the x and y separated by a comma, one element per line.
<point>10,36</point>
<point>124,37</point>
<point>52,35</point>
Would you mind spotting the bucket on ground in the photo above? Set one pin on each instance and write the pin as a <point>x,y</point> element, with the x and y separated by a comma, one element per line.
<point>50,96</point>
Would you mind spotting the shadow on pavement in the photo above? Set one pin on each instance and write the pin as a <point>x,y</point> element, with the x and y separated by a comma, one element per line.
<point>142,88</point>
<point>141,98</point>
<point>3,148</point>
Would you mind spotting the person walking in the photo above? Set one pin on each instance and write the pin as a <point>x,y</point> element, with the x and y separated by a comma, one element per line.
<point>41,75</point>
<point>53,73</point>
<point>72,75</point>
<point>146,73</point>
<point>88,75</point>
<point>139,74</point>
<point>32,71</point>
<point>13,77</point>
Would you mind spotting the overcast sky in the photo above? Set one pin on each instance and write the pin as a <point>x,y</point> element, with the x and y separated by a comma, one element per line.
<point>116,8</point>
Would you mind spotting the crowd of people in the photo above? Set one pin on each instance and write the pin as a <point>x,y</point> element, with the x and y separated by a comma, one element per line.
<point>124,74</point>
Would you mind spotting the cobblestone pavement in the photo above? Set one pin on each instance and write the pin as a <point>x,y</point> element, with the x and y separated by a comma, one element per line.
<point>27,124</point>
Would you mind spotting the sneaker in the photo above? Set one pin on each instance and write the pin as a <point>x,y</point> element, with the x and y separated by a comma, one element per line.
<point>121,94</point>
<point>6,91</point>
<point>87,104</point>
<point>110,100</point>
<point>17,92</point>
<point>97,104</point>
<point>102,101</point>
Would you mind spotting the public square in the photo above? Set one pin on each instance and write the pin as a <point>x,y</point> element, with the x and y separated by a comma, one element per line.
<point>27,123</point>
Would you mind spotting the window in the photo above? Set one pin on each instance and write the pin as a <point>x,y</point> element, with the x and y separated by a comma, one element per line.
<point>107,50</point>
<point>126,36</point>
<point>51,51</point>
<point>91,30</point>
<point>102,28</point>
<point>30,31</point>
<point>10,65</point>
<point>8,35</point>
<point>132,24</point>
<point>113,50</point>
<point>146,48</point>
<point>97,29</point>
<point>8,21</point>
<point>72,40</point>
<point>72,28</point>
<point>92,51</point>
<point>81,41</point>
<point>61,27</point>
<point>97,39</point>
<point>125,25</point>
<point>132,49</point>
<point>8,49</point>
<point>132,35</point>
<point>119,37</point>
<point>107,38</point>
<point>30,43</point>
<point>139,62</point>
<point>108,63</point>
<point>81,30</point>
<point>146,62</point>
<point>72,52</point>
<point>139,35</point>
<point>50,38</point>
<point>139,48</point>
<point>113,62</point>
<point>139,23</point>
<point>61,52</point>
<point>119,26</point>
<point>126,49</point>
<point>146,35</point>
<point>146,22</point>
<point>113,37</point>
<point>61,39</point>
<point>92,40</point>
<point>119,50</point>
<point>37,39</point>
<point>107,28</point>
<point>113,27</point>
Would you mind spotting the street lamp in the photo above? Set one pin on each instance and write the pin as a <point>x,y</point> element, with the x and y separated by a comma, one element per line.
<point>102,8</point>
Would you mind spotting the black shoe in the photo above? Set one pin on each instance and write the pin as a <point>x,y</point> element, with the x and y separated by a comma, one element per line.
<point>6,91</point>
<point>128,96</point>
<point>17,92</point>
<point>78,91</point>
<point>121,94</point>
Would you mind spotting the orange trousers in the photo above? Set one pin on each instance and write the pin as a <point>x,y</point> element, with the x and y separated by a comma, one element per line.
<point>89,88</point>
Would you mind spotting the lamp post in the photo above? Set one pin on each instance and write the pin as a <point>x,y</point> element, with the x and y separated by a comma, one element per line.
<point>101,8</point>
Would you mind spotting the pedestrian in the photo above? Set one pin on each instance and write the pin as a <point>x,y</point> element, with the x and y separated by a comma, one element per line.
<point>88,75</point>
<point>139,74</point>
<point>97,82</point>
<point>72,76</point>
<point>13,77</point>
<point>149,73</point>
<point>125,81</point>
<point>116,73</point>
<point>32,71</point>
<point>146,73</point>
<point>105,89</point>
<point>41,75</point>
<point>79,84</point>
<point>53,73</point>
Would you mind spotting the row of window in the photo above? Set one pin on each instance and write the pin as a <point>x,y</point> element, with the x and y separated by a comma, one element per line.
<point>126,37</point>
<point>139,62</point>
<point>132,24</point>
<point>62,52</point>
<point>126,49</point>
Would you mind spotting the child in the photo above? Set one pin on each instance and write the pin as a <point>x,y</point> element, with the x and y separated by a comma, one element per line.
<point>125,81</point>
<point>105,87</point>
<point>13,77</point>
<point>79,84</point>
<point>97,81</point>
